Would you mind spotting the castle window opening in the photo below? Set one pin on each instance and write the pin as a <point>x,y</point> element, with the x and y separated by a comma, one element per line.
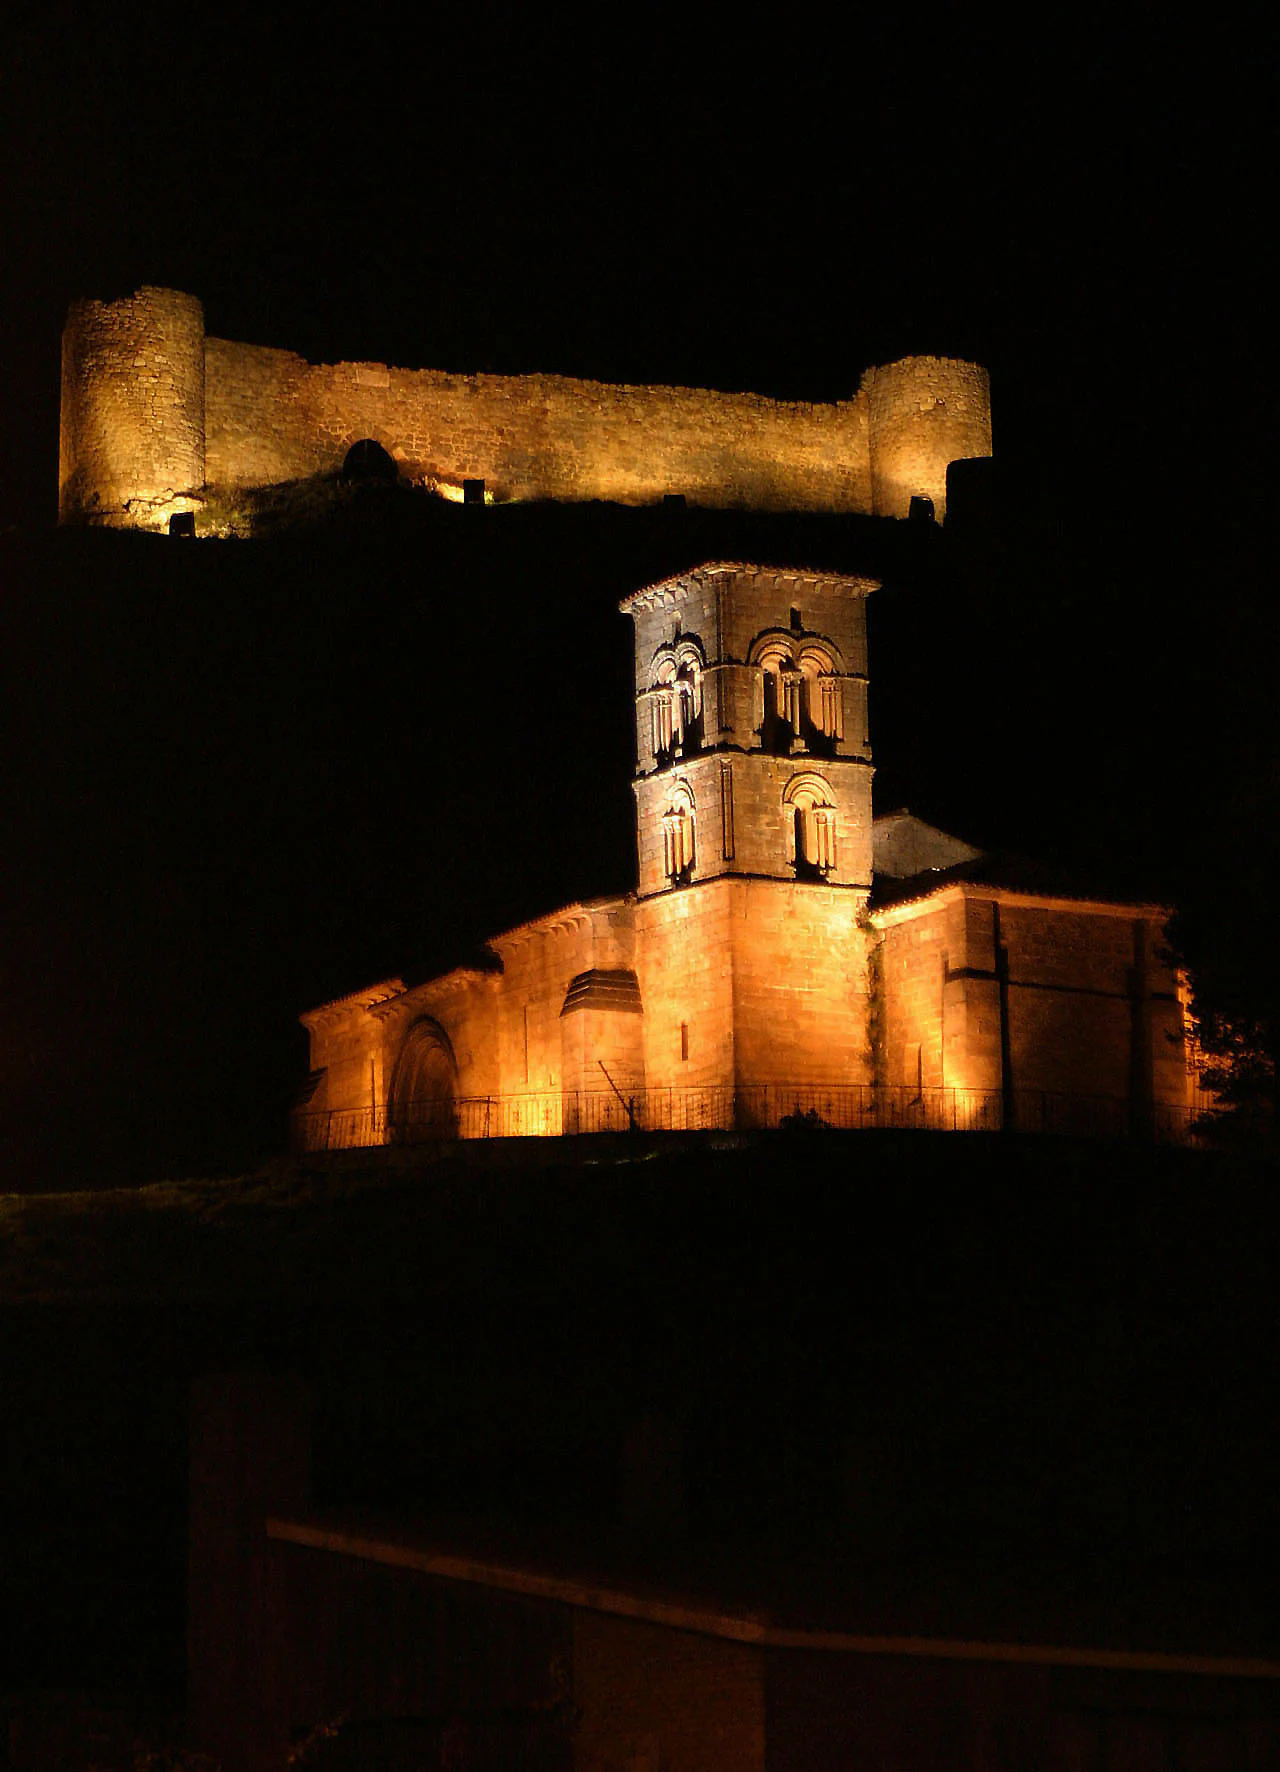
<point>684,1042</point>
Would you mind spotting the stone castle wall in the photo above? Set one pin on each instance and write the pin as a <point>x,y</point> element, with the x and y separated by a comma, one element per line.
<point>154,412</point>
<point>272,416</point>
<point>923,413</point>
<point>132,432</point>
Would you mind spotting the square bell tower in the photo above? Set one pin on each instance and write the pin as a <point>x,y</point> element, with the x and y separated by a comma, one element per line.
<point>752,751</point>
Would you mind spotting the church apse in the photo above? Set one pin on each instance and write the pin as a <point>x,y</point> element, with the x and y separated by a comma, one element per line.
<point>159,418</point>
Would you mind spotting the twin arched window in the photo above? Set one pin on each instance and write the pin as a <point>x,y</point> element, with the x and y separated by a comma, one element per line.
<point>803,695</point>
<point>675,700</point>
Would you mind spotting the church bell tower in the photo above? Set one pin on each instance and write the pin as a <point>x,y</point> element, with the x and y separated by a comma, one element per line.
<point>752,751</point>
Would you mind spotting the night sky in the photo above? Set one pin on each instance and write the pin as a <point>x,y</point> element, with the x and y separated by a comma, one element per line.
<point>219,813</point>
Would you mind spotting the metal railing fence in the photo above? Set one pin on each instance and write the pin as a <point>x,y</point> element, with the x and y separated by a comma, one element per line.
<point>555,1113</point>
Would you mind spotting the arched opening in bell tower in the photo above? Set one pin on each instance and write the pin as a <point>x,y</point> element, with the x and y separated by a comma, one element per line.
<point>810,811</point>
<point>679,836</point>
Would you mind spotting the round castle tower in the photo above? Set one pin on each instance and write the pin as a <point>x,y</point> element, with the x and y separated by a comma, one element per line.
<point>132,443</point>
<point>924,413</point>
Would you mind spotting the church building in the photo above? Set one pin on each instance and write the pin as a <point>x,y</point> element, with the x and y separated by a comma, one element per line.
<point>784,956</point>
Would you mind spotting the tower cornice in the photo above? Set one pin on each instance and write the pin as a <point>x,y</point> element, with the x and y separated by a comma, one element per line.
<point>667,592</point>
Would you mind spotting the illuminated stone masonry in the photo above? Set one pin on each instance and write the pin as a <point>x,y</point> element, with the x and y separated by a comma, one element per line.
<point>158,418</point>
<point>783,955</point>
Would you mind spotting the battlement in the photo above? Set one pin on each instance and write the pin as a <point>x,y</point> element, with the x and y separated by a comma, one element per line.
<point>157,417</point>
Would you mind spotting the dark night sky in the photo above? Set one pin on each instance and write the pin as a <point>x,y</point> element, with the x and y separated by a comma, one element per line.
<point>1083,213</point>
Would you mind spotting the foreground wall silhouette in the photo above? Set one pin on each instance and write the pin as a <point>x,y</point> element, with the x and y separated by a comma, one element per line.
<point>157,417</point>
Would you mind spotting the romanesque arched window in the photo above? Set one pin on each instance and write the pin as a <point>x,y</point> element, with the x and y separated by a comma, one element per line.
<point>783,695</point>
<point>802,696</point>
<point>662,710</point>
<point>675,699</point>
<point>810,811</point>
<point>688,701</point>
<point>679,836</point>
<point>823,715</point>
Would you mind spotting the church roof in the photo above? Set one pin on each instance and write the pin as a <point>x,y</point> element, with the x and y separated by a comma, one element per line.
<point>912,860</point>
<point>904,846</point>
<point>1003,871</point>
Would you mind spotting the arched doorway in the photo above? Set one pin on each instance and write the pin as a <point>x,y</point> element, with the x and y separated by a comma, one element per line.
<point>424,1087</point>
<point>367,460</point>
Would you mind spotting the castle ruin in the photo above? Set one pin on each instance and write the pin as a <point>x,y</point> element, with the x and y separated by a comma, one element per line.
<point>158,418</point>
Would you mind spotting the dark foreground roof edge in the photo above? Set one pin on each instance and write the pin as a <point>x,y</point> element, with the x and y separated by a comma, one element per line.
<point>741,1627</point>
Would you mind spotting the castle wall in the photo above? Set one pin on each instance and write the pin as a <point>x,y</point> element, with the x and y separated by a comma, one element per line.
<point>153,411</point>
<point>273,416</point>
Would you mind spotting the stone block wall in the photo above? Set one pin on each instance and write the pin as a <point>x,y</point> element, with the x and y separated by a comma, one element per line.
<point>726,607</point>
<point>727,611</point>
<point>273,416</point>
<point>742,824</point>
<point>801,1007</point>
<point>132,432</point>
<point>151,406</point>
<point>925,412</point>
<point>684,958</point>
<point>539,962</point>
<point>347,1045</point>
<point>1092,1008</point>
<point>919,1042</point>
<point>1078,1002</point>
